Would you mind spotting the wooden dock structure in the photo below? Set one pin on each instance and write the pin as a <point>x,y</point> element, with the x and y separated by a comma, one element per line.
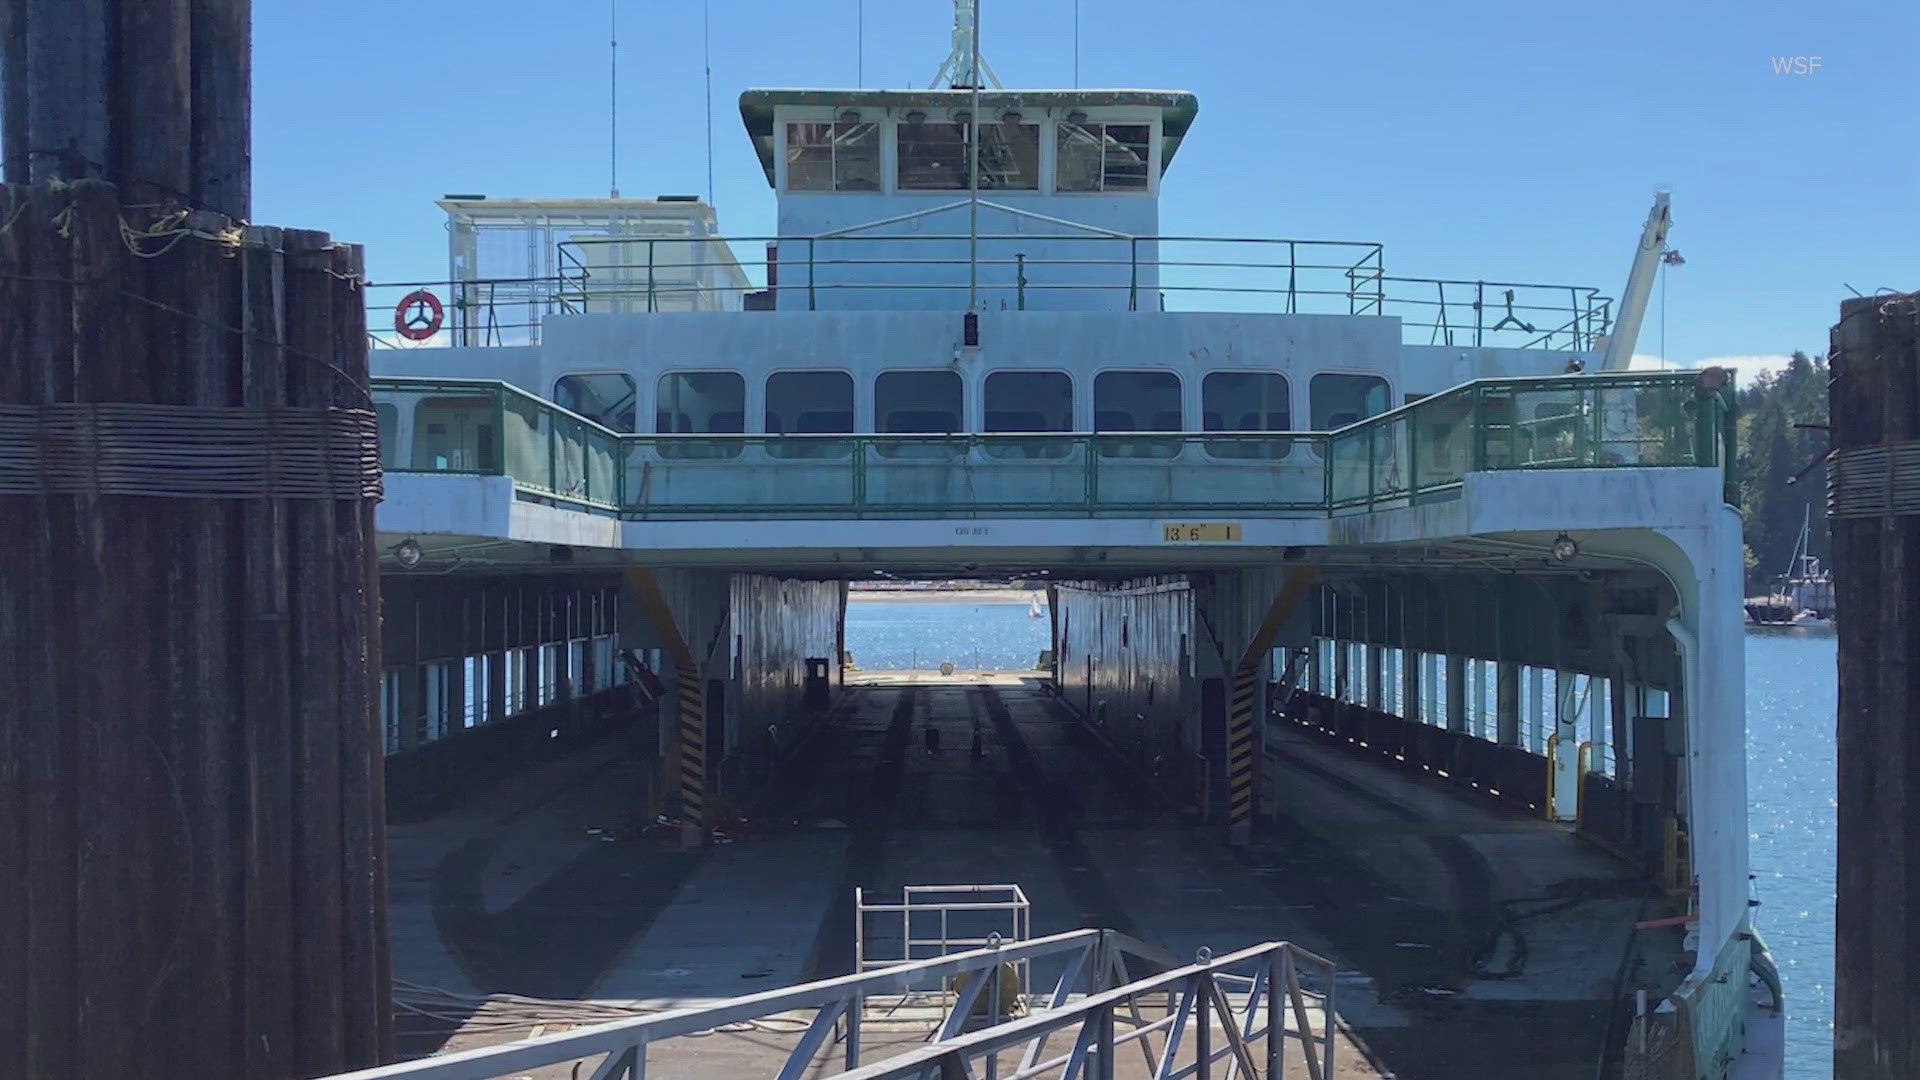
<point>192,856</point>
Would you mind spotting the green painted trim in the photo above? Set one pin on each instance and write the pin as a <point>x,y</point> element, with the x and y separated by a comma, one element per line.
<point>1694,441</point>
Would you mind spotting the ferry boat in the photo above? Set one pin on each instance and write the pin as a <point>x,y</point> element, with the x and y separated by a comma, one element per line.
<point>1437,520</point>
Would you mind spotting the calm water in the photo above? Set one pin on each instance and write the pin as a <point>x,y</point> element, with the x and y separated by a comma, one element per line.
<point>1791,692</point>
<point>892,634</point>
<point>1790,778</point>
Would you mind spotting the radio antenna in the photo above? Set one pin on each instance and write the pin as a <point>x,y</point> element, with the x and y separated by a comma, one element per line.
<point>706,50</point>
<point>613,99</point>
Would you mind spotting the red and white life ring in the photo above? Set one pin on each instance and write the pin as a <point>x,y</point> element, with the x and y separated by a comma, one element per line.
<point>418,315</point>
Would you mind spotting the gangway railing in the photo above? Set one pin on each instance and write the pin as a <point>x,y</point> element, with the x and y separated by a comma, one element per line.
<point>1016,271</point>
<point>1419,451</point>
<point>939,920</point>
<point>1266,1004</point>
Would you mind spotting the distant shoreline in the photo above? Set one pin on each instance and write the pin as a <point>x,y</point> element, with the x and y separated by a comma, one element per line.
<point>944,596</point>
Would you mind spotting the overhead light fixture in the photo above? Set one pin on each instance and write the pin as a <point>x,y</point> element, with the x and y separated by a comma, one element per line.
<point>850,116</point>
<point>961,116</point>
<point>1672,257</point>
<point>1010,118</point>
<point>1564,548</point>
<point>915,116</point>
<point>1076,117</point>
<point>407,552</point>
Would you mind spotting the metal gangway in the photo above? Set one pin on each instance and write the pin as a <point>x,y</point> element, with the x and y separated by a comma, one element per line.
<point>1255,1013</point>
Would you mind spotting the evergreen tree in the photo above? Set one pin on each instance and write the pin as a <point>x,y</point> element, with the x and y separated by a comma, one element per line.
<point>1772,450</point>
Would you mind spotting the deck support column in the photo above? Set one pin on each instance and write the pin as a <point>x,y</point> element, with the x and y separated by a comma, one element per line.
<point>1506,703</point>
<point>1410,685</point>
<point>1566,748</point>
<point>1245,696</point>
<point>1375,660</point>
<point>1456,693</point>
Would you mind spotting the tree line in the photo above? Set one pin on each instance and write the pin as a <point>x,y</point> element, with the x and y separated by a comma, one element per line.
<point>1781,442</point>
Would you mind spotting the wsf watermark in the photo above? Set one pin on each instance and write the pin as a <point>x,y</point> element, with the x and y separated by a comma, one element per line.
<point>1795,65</point>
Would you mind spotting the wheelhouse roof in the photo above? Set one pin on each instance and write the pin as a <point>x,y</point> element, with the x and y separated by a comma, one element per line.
<point>1177,108</point>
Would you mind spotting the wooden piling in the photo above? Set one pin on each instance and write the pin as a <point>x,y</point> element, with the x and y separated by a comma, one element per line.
<point>192,856</point>
<point>1874,514</point>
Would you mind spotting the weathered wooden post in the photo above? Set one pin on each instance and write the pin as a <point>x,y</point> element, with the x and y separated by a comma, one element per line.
<point>192,858</point>
<point>1873,510</point>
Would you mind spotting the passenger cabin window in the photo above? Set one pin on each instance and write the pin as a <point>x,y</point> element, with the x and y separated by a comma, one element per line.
<point>913,402</point>
<point>1337,400</point>
<point>1246,401</point>
<point>838,156</point>
<point>387,416</point>
<point>1029,401</point>
<point>1126,401</point>
<point>809,403</point>
<point>698,403</point>
<point>1103,157</point>
<point>607,400</point>
<point>454,434</point>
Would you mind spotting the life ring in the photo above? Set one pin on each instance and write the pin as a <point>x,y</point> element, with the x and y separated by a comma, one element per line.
<point>418,315</point>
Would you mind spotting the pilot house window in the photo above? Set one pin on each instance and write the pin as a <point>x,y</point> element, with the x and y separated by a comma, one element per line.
<point>933,156</point>
<point>839,156</point>
<point>1103,157</point>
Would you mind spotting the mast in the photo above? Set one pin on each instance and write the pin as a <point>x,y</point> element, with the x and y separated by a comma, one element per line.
<point>973,150</point>
<point>963,66</point>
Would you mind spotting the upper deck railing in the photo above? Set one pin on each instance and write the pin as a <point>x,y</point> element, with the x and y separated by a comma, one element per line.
<point>1419,451</point>
<point>1020,271</point>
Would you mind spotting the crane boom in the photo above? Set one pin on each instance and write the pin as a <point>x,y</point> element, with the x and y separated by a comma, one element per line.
<point>1616,348</point>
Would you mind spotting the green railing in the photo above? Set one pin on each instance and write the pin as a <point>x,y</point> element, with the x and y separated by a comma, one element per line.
<point>1635,420</point>
<point>1074,269</point>
<point>1423,450</point>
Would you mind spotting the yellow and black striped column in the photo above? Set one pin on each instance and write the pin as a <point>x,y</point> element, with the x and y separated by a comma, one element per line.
<point>1240,704</point>
<point>693,747</point>
<point>1240,751</point>
<point>689,697</point>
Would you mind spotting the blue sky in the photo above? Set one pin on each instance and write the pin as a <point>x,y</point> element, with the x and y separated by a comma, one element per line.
<point>1507,140</point>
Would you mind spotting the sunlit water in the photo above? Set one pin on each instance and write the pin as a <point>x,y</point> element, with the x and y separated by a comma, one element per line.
<point>894,634</point>
<point>1791,691</point>
<point>1790,777</point>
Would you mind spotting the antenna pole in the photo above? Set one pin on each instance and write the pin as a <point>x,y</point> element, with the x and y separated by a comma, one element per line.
<point>973,168</point>
<point>613,99</point>
<point>860,43</point>
<point>706,50</point>
<point>1076,44</point>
